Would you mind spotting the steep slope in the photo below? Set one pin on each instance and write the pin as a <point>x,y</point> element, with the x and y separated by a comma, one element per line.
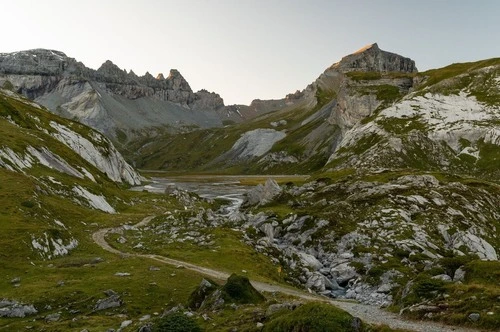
<point>449,123</point>
<point>423,243</point>
<point>46,161</point>
<point>302,130</point>
<point>118,104</point>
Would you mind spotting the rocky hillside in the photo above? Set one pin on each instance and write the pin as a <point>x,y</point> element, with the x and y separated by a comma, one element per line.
<point>44,157</point>
<point>450,122</point>
<point>119,104</point>
<point>298,133</point>
<point>370,108</point>
<point>425,244</point>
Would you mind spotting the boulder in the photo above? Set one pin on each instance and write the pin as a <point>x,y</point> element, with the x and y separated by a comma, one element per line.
<point>310,261</point>
<point>199,295</point>
<point>320,283</point>
<point>112,301</point>
<point>262,194</point>
<point>459,275</point>
<point>343,272</point>
<point>474,316</point>
<point>14,309</point>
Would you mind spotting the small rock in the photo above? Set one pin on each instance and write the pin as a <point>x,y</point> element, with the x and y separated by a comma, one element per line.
<point>459,275</point>
<point>15,280</point>
<point>145,317</point>
<point>474,316</point>
<point>52,317</point>
<point>121,240</point>
<point>154,268</point>
<point>260,325</point>
<point>443,277</point>
<point>122,274</point>
<point>145,328</point>
<point>126,323</point>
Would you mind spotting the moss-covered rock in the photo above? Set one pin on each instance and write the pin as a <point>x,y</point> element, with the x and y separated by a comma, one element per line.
<point>238,289</point>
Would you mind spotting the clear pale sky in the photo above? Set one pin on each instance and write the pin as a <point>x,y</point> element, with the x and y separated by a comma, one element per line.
<point>248,49</point>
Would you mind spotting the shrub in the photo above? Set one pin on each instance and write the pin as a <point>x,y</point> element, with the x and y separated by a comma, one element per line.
<point>177,322</point>
<point>28,204</point>
<point>428,288</point>
<point>451,264</point>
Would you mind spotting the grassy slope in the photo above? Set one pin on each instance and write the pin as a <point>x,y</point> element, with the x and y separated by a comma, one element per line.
<point>30,206</point>
<point>197,150</point>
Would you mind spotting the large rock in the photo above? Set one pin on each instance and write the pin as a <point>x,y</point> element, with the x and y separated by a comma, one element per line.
<point>310,261</point>
<point>112,301</point>
<point>14,309</point>
<point>262,194</point>
<point>320,283</point>
<point>343,272</point>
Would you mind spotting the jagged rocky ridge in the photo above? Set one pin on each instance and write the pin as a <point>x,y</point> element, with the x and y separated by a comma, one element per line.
<point>108,99</point>
<point>361,112</point>
<point>306,127</point>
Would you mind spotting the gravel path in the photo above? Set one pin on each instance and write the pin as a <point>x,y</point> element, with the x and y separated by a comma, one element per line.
<point>367,313</point>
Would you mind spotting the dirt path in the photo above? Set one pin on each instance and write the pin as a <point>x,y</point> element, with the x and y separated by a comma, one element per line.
<point>367,313</point>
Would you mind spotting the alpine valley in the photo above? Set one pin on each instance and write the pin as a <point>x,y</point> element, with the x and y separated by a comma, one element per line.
<point>368,201</point>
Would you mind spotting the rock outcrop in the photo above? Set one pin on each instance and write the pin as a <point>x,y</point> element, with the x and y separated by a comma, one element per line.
<point>108,99</point>
<point>372,59</point>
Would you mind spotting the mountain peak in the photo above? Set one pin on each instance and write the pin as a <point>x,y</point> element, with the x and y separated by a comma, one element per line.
<point>372,58</point>
<point>367,47</point>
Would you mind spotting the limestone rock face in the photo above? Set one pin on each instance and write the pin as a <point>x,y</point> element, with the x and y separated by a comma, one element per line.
<point>34,62</point>
<point>108,99</point>
<point>372,58</point>
<point>207,100</point>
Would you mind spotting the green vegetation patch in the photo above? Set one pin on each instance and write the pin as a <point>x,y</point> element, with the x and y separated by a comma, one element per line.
<point>401,126</point>
<point>314,317</point>
<point>177,322</point>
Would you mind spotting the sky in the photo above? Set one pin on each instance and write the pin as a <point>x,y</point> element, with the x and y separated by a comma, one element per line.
<point>251,49</point>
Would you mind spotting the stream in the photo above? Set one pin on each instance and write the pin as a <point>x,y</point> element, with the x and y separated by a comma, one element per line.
<point>211,187</point>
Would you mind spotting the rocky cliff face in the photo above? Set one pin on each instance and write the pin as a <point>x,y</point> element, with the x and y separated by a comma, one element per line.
<point>94,148</point>
<point>97,97</point>
<point>372,59</point>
